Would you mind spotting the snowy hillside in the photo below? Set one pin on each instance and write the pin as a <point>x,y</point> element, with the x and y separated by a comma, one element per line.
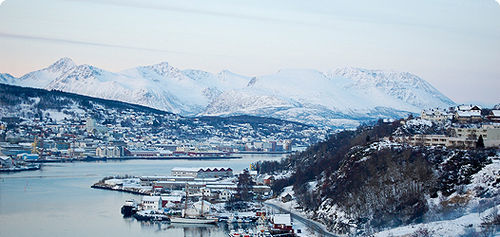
<point>357,183</point>
<point>340,98</point>
<point>396,85</point>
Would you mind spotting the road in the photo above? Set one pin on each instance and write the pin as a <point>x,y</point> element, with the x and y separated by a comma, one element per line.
<point>311,224</point>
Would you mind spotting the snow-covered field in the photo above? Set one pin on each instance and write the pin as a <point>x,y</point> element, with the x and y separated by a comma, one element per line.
<point>469,224</point>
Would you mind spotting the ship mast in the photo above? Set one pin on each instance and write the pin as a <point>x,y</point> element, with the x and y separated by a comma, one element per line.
<point>202,201</point>
<point>34,144</point>
<point>186,201</point>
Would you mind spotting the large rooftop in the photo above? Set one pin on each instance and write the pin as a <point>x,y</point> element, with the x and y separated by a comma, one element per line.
<point>200,169</point>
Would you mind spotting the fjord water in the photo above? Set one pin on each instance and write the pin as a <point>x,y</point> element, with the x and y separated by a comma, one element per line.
<point>58,201</point>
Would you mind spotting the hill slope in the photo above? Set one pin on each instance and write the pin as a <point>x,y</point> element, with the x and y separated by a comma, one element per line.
<point>355,183</point>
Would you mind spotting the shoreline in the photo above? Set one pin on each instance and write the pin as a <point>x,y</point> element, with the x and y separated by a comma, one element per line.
<point>20,169</point>
<point>264,152</point>
<point>110,188</point>
<point>125,158</point>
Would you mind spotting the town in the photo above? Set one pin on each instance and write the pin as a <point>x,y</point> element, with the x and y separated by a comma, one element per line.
<point>129,134</point>
<point>82,130</point>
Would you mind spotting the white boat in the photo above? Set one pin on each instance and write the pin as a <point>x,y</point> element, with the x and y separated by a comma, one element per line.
<point>198,219</point>
<point>188,220</point>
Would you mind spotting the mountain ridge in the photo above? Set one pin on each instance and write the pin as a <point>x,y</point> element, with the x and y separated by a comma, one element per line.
<point>341,98</point>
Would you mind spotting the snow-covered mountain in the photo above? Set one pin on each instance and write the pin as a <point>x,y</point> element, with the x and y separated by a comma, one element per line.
<point>342,97</point>
<point>6,78</point>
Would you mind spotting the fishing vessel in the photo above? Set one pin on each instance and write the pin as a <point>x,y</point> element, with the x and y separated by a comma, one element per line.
<point>151,215</point>
<point>129,208</point>
<point>198,219</point>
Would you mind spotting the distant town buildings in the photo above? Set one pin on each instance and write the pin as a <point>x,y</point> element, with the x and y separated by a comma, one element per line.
<point>128,133</point>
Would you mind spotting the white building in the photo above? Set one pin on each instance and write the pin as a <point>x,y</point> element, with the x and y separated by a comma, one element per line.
<point>108,151</point>
<point>91,126</point>
<point>185,172</point>
<point>282,221</point>
<point>206,192</point>
<point>436,115</point>
<point>461,137</point>
<point>6,162</point>
<point>225,195</point>
<point>468,113</point>
<point>151,202</point>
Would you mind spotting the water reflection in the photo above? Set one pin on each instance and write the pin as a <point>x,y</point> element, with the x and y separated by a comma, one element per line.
<point>200,230</point>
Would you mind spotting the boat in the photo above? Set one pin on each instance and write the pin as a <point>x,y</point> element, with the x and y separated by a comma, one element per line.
<point>192,220</point>
<point>151,215</point>
<point>129,208</point>
<point>241,233</point>
<point>185,219</point>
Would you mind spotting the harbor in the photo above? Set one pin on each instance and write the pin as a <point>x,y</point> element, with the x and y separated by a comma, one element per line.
<point>67,199</point>
<point>202,195</point>
<point>258,221</point>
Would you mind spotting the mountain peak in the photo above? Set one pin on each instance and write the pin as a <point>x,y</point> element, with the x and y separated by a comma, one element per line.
<point>62,64</point>
<point>370,74</point>
<point>225,73</point>
<point>163,69</point>
<point>6,78</point>
<point>161,66</point>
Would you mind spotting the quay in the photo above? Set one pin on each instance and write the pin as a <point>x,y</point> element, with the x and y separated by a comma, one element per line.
<point>138,191</point>
<point>20,168</point>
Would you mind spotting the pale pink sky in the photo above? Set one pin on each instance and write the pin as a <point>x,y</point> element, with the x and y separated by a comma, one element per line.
<point>453,44</point>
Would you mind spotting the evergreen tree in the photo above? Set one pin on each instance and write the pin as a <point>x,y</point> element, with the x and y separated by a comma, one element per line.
<point>480,142</point>
<point>245,184</point>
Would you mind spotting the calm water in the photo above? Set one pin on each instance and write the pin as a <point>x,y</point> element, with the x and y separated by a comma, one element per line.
<point>58,200</point>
